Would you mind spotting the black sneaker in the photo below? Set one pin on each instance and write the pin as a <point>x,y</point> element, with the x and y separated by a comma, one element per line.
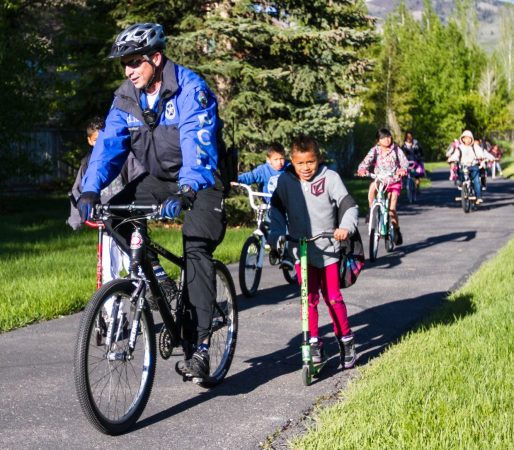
<point>398,238</point>
<point>317,352</point>
<point>347,351</point>
<point>199,364</point>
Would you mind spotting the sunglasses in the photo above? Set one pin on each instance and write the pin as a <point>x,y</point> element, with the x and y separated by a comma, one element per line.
<point>133,63</point>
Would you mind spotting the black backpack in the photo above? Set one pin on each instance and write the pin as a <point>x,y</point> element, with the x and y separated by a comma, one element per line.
<point>228,160</point>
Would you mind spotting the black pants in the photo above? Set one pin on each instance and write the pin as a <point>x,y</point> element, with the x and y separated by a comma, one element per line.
<point>203,230</point>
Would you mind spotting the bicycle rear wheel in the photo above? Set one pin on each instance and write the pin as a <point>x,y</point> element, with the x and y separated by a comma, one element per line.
<point>224,327</point>
<point>249,272</point>
<point>112,384</point>
<point>374,233</point>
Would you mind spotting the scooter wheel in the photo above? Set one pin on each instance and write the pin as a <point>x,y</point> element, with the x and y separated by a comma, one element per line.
<point>306,376</point>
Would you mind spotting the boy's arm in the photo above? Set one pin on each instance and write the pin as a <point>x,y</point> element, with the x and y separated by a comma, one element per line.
<point>74,220</point>
<point>278,218</point>
<point>255,176</point>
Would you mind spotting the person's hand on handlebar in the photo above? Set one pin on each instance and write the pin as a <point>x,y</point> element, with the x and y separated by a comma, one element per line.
<point>341,234</point>
<point>174,204</point>
<point>401,172</point>
<point>86,205</point>
<point>362,173</point>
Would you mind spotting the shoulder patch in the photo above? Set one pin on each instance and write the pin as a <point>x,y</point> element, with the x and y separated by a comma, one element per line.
<point>201,98</point>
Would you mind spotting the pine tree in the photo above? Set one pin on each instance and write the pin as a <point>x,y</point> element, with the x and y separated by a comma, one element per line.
<point>280,68</point>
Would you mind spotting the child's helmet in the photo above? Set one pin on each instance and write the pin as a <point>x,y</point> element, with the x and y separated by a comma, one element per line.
<point>140,38</point>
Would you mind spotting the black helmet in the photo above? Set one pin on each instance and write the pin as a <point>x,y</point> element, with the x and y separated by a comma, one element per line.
<point>140,38</point>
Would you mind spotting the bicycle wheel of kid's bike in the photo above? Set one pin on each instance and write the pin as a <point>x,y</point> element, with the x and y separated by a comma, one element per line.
<point>374,234</point>
<point>249,272</point>
<point>466,202</point>
<point>290,275</point>
<point>411,190</point>
<point>224,327</point>
<point>113,385</point>
<point>389,240</point>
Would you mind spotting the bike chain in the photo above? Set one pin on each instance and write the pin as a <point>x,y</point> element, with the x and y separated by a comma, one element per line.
<point>166,343</point>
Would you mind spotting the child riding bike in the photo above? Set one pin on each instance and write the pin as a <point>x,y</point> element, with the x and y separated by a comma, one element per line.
<point>414,154</point>
<point>266,174</point>
<point>309,199</point>
<point>386,156</point>
<point>468,154</point>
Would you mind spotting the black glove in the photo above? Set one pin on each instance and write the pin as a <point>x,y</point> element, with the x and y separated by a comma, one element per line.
<point>174,204</point>
<point>86,204</point>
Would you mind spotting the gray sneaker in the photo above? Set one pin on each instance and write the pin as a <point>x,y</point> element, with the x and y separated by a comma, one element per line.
<point>317,352</point>
<point>347,351</point>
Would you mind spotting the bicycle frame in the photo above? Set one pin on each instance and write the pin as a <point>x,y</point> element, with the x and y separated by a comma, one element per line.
<point>142,273</point>
<point>260,212</point>
<point>381,201</point>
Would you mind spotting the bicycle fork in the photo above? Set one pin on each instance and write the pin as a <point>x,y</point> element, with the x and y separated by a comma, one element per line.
<point>262,248</point>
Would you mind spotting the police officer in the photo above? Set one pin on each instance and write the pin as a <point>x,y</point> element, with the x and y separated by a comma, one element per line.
<point>167,117</point>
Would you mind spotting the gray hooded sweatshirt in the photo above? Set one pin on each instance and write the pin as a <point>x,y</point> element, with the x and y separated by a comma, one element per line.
<point>306,208</point>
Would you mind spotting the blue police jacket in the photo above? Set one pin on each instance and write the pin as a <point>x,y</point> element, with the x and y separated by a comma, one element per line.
<point>182,145</point>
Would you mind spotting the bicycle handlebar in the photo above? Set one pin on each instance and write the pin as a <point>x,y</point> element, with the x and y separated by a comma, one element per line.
<point>252,194</point>
<point>324,234</point>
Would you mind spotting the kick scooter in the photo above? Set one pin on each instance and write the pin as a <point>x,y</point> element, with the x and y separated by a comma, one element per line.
<point>309,368</point>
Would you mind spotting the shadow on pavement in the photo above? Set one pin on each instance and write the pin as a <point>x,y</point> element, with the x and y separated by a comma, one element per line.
<point>377,328</point>
<point>387,260</point>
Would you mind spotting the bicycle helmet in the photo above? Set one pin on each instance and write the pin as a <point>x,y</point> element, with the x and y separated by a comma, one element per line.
<point>140,38</point>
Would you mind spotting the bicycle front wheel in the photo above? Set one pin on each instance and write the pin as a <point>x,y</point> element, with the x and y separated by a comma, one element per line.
<point>113,384</point>
<point>249,272</point>
<point>224,327</point>
<point>374,233</point>
<point>466,203</point>
<point>390,238</point>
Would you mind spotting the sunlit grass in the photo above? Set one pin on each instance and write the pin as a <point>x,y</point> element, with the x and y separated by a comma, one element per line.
<point>48,270</point>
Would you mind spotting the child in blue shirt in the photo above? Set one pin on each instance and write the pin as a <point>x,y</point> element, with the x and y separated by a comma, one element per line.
<point>266,175</point>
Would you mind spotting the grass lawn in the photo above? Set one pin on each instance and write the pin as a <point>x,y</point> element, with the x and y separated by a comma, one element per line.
<point>48,270</point>
<point>449,384</point>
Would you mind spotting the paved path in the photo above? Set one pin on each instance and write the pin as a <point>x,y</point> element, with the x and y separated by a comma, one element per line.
<point>263,391</point>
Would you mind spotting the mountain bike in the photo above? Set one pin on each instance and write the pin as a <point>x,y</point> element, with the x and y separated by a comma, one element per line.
<point>115,353</point>
<point>467,195</point>
<point>251,260</point>
<point>380,225</point>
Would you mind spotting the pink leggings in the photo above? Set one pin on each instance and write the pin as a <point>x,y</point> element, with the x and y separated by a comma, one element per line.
<point>326,279</point>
